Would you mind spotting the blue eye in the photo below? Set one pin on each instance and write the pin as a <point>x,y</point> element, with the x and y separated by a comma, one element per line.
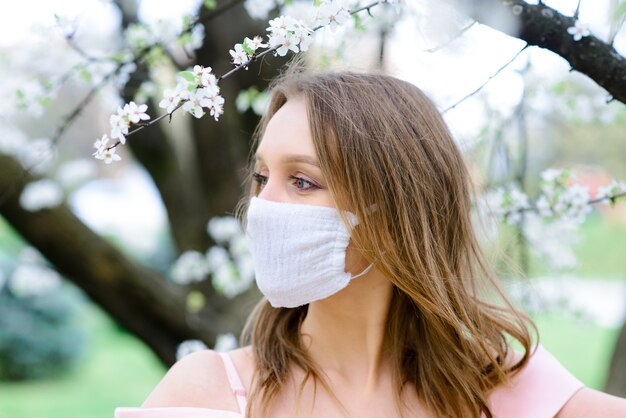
<point>302,184</point>
<point>259,178</point>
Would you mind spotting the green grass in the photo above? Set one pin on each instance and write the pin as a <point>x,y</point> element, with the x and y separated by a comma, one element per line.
<point>584,349</point>
<point>120,371</point>
<point>599,251</point>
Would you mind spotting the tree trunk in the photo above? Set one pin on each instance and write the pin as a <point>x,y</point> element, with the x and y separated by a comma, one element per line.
<point>616,380</point>
<point>139,299</point>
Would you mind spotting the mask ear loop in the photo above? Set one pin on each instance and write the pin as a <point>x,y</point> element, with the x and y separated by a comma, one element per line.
<point>368,268</point>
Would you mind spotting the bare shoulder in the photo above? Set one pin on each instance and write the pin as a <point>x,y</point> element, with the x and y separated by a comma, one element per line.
<point>197,380</point>
<point>590,403</point>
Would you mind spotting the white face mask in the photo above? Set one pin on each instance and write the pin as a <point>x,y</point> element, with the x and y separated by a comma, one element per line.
<point>298,251</point>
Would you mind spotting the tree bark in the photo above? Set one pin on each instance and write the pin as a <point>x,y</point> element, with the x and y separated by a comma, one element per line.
<point>139,299</point>
<point>616,380</point>
<point>543,26</point>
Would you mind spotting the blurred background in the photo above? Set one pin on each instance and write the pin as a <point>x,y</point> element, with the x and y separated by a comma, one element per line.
<point>109,273</point>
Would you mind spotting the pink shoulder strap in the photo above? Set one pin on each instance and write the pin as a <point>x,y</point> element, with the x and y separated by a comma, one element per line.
<point>539,390</point>
<point>235,381</point>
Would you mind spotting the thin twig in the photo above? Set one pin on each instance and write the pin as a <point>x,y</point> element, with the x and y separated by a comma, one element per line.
<point>454,38</point>
<point>577,10</point>
<point>252,59</point>
<point>83,103</point>
<point>589,202</point>
<point>486,82</point>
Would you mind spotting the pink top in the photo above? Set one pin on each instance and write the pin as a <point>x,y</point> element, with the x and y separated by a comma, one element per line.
<point>539,391</point>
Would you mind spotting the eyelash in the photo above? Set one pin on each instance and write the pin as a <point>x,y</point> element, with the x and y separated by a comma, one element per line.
<point>261,180</point>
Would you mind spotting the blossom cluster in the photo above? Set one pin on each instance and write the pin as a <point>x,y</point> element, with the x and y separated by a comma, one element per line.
<point>229,263</point>
<point>120,123</point>
<point>611,190</point>
<point>223,342</point>
<point>32,276</point>
<point>197,90</point>
<point>562,196</point>
<point>288,34</point>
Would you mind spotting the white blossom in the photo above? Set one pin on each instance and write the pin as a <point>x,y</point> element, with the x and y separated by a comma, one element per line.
<point>285,34</point>
<point>245,267</point>
<point>289,42</point>
<point>613,188</point>
<point>562,196</point>
<point>188,347</point>
<point>216,106</point>
<point>552,241</point>
<point>216,256</point>
<point>108,155</point>
<point>239,55</point>
<point>171,99</point>
<point>509,204</point>
<point>255,43</point>
<point>259,9</point>
<point>139,36</point>
<point>225,342</point>
<point>77,171</point>
<point>12,140</point>
<point>204,74</point>
<point>33,280</point>
<point>281,25</point>
<point>551,174</point>
<point>196,39</point>
<point>100,145</point>
<point>136,113</point>
<point>331,14</point>
<point>517,9</point>
<point>223,228</point>
<point>123,74</point>
<point>228,282</point>
<point>196,101</point>
<point>190,267</point>
<point>303,37</point>
<point>119,126</point>
<point>578,31</point>
<point>40,195</point>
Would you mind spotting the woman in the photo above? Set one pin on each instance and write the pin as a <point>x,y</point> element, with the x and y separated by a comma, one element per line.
<point>378,301</point>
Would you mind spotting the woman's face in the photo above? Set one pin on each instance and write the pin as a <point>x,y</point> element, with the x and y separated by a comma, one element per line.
<point>287,168</point>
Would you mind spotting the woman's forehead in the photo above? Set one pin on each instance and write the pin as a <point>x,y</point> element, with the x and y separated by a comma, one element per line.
<point>288,132</point>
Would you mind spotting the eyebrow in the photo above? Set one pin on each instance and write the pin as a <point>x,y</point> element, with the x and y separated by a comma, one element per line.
<point>294,158</point>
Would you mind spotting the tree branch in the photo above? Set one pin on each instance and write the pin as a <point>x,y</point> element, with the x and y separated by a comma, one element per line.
<point>545,27</point>
<point>140,299</point>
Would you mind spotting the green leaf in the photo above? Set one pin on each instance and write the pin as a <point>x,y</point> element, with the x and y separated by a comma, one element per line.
<point>187,21</point>
<point>188,75</point>
<point>20,94</point>
<point>183,39</point>
<point>195,301</point>
<point>45,101</point>
<point>85,75</point>
<point>247,48</point>
<point>210,4</point>
<point>358,22</point>
<point>620,12</point>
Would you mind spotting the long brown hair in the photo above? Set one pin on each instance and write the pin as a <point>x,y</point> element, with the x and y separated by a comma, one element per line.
<point>381,140</point>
